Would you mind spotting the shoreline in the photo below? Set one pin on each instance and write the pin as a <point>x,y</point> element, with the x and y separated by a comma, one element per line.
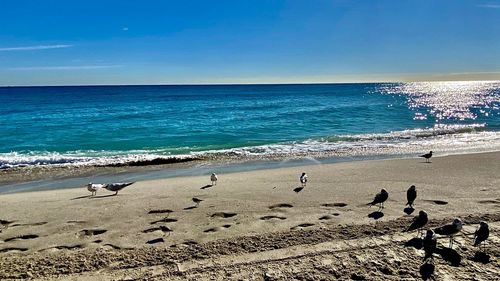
<point>34,178</point>
<point>254,222</point>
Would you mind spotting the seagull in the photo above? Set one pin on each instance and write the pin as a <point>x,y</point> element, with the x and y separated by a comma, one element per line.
<point>481,234</point>
<point>411,195</point>
<point>197,201</point>
<point>117,186</point>
<point>303,179</point>
<point>380,198</point>
<point>93,187</point>
<point>429,244</point>
<point>450,229</point>
<point>427,156</point>
<point>214,179</point>
<point>418,222</point>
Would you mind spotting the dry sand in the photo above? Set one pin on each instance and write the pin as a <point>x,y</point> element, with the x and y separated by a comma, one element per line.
<point>253,225</point>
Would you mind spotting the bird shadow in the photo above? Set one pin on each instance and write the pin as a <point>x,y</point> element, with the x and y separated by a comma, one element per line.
<point>425,162</point>
<point>81,197</point>
<point>376,215</point>
<point>481,257</point>
<point>415,242</point>
<point>103,196</point>
<point>409,210</point>
<point>206,186</point>
<point>298,189</point>
<point>427,271</point>
<point>190,208</point>
<point>449,255</point>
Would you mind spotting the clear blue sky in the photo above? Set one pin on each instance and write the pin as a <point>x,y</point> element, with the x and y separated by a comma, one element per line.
<point>169,42</point>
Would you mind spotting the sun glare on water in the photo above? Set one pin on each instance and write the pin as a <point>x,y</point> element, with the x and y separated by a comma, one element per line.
<point>454,100</point>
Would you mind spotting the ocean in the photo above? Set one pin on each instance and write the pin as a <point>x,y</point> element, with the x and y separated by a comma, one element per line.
<point>121,125</point>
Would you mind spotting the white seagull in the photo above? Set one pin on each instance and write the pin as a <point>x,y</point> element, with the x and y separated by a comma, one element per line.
<point>214,179</point>
<point>303,179</point>
<point>93,187</point>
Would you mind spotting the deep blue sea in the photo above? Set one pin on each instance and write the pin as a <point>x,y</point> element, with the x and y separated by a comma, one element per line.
<point>101,125</point>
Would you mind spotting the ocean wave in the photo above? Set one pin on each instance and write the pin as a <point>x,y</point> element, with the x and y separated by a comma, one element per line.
<point>439,137</point>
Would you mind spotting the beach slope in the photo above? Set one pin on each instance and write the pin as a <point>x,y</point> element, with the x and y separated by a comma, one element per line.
<point>259,225</point>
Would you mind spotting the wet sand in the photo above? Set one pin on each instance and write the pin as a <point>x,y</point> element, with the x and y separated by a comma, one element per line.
<point>257,225</point>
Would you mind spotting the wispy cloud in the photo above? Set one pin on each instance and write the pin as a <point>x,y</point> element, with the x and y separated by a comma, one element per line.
<point>32,48</point>
<point>490,6</point>
<point>66,67</point>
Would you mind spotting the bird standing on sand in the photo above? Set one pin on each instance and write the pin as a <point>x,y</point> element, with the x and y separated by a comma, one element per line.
<point>117,186</point>
<point>411,195</point>
<point>214,179</point>
<point>481,234</point>
<point>450,229</point>
<point>418,222</point>
<point>303,179</point>
<point>429,244</point>
<point>380,198</point>
<point>93,187</point>
<point>427,156</point>
<point>197,201</point>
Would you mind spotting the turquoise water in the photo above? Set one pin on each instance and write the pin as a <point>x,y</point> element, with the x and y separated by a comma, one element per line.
<point>104,125</point>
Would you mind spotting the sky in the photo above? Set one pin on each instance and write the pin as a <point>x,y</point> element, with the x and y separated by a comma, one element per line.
<point>60,42</point>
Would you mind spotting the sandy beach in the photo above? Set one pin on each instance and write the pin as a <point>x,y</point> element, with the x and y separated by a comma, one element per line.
<point>257,225</point>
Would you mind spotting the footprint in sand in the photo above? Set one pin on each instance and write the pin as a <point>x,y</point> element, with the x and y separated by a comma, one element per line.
<point>302,225</point>
<point>5,222</point>
<point>162,211</point>
<point>72,247</point>
<point>164,220</point>
<point>438,202</point>
<point>489,201</point>
<point>29,224</point>
<point>216,229</point>
<point>189,243</point>
<point>280,206</point>
<point>223,215</point>
<point>155,241</point>
<point>76,222</point>
<point>266,218</point>
<point>22,237</point>
<point>331,205</point>
<point>91,232</point>
<point>111,246</point>
<point>13,250</point>
<point>162,228</point>
<point>329,217</point>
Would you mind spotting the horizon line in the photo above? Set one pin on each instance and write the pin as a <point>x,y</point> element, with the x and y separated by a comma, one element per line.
<point>237,84</point>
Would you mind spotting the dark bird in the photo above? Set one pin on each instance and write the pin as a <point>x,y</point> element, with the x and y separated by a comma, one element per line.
<point>481,234</point>
<point>450,229</point>
<point>303,179</point>
<point>411,195</point>
<point>197,201</point>
<point>429,244</point>
<point>418,222</point>
<point>117,186</point>
<point>427,156</point>
<point>380,198</point>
